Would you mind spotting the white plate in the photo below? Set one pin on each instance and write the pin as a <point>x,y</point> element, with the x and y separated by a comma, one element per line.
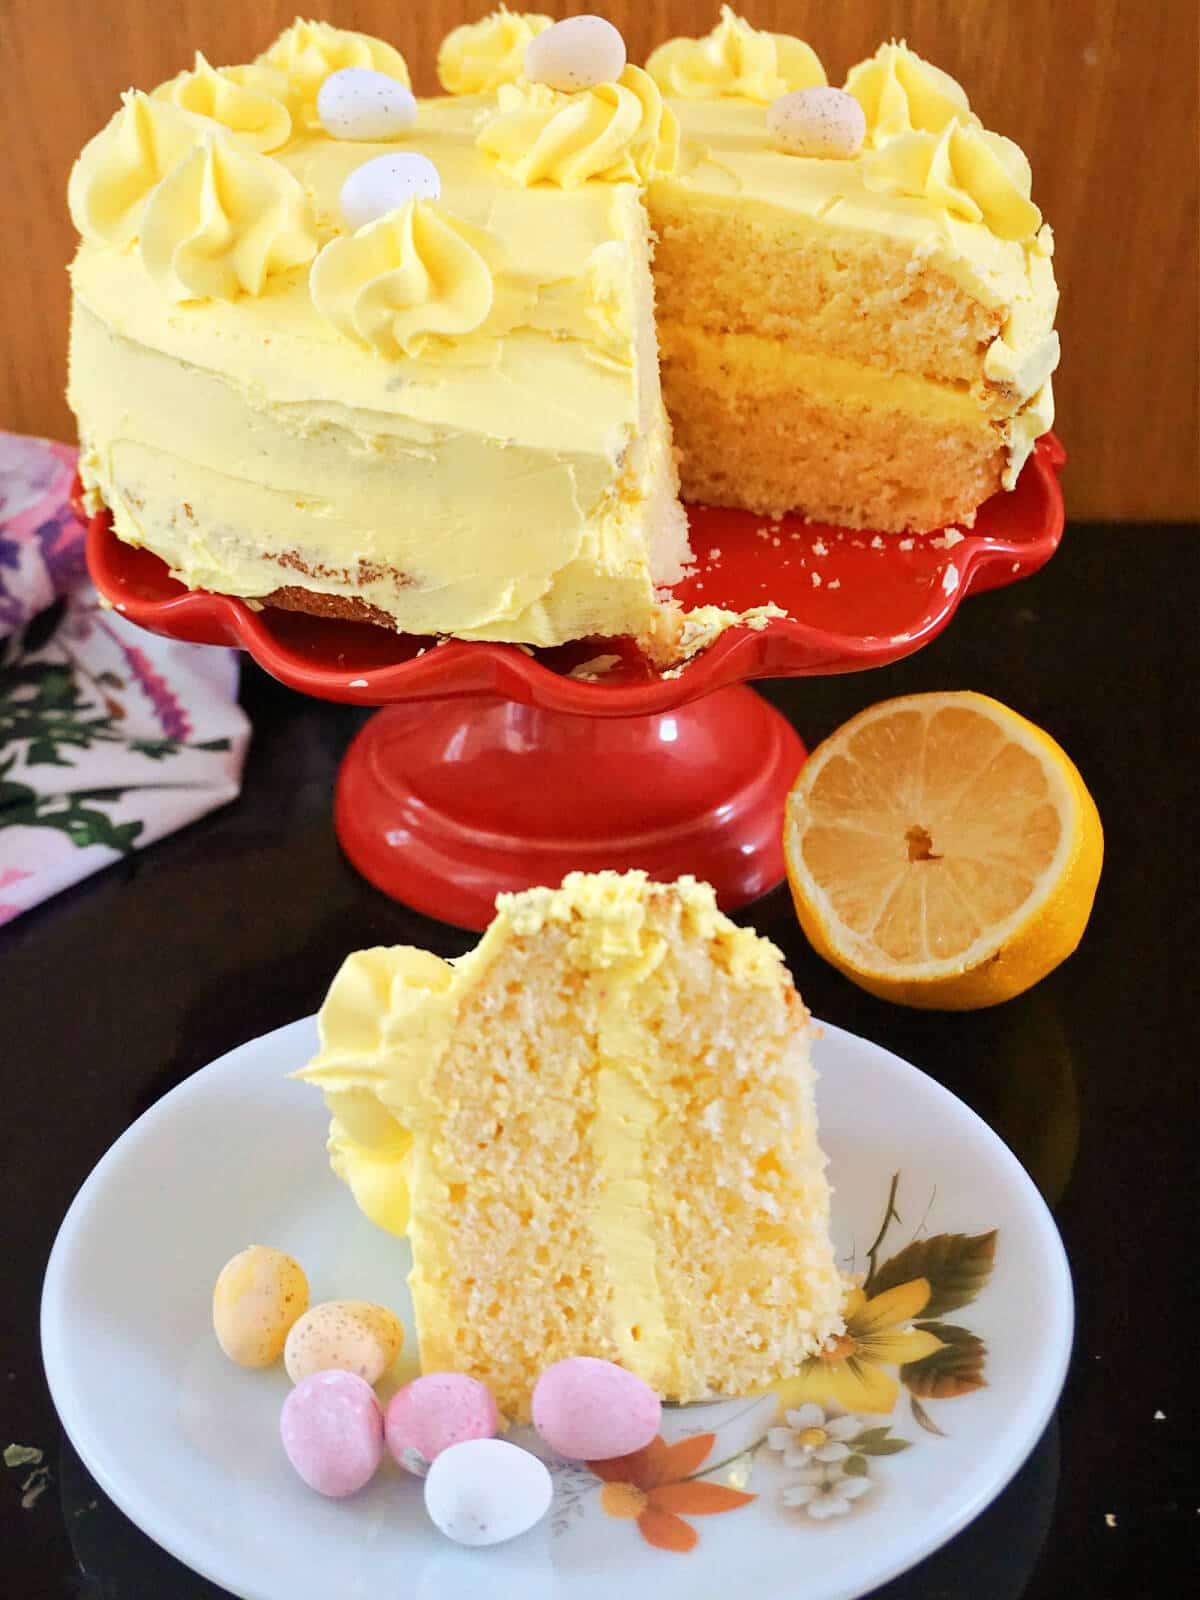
<point>187,1445</point>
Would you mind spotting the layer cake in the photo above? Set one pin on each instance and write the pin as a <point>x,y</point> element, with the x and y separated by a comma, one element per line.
<point>451,421</point>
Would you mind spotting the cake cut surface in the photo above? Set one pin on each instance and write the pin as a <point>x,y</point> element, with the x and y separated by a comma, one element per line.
<point>472,415</point>
<point>598,1130</point>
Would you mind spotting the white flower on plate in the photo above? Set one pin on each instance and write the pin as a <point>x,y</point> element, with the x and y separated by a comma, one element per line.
<point>824,1490</point>
<point>812,1436</point>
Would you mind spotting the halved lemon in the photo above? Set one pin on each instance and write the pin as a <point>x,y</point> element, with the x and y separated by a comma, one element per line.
<point>942,851</point>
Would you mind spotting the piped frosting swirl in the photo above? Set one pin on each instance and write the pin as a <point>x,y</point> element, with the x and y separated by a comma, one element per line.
<point>616,132</point>
<point>224,222</point>
<point>478,57</point>
<point>117,169</point>
<point>735,60</point>
<point>251,102</point>
<point>974,175</point>
<point>308,52</point>
<point>416,278</point>
<point>901,93</point>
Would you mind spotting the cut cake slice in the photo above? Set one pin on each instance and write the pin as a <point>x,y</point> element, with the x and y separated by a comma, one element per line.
<point>598,1130</point>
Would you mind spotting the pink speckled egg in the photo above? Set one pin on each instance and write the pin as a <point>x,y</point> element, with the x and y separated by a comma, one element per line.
<point>592,1410</point>
<point>431,1413</point>
<point>332,1432</point>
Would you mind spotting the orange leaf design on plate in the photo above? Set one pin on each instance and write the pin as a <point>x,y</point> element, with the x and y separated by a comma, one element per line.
<point>699,1499</point>
<point>660,1479</point>
<point>657,1462</point>
<point>665,1531</point>
<point>684,1457</point>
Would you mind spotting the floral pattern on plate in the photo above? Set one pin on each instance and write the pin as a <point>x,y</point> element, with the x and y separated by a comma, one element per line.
<point>815,1434</point>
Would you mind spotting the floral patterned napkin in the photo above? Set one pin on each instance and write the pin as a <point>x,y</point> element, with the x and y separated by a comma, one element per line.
<point>110,737</point>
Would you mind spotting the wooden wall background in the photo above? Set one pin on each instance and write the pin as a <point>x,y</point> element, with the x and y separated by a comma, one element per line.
<point>1102,94</point>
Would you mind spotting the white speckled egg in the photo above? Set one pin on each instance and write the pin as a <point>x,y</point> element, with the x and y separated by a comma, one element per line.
<point>344,1336</point>
<point>356,103</point>
<point>578,53</point>
<point>385,183</point>
<point>826,123</point>
<point>258,1295</point>
<point>485,1491</point>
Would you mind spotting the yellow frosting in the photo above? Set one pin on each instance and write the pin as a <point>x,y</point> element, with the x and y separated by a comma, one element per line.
<point>414,277</point>
<point>264,418</point>
<point>966,171</point>
<point>222,223</point>
<point>901,93</point>
<point>478,57</point>
<point>250,101</point>
<point>117,169</point>
<point>308,52</point>
<point>737,60</point>
<point>616,132</point>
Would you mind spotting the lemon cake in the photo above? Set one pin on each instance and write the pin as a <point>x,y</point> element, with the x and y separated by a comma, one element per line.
<point>598,1131</point>
<point>338,349</point>
<point>864,332</point>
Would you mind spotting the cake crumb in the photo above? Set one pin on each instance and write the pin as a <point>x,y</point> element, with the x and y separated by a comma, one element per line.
<point>876,543</point>
<point>906,544</point>
<point>1160,1416</point>
<point>834,583</point>
<point>22,1455</point>
<point>715,553</point>
<point>816,579</point>
<point>34,1487</point>
<point>596,667</point>
<point>711,1117</point>
<point>820,548</point>
<point>1110,1520</point>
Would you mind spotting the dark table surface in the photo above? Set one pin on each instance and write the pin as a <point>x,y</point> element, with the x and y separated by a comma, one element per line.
<point>116,990</point>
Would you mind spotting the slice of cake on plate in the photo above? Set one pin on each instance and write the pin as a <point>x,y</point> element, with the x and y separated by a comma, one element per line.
<point>598,1131</point>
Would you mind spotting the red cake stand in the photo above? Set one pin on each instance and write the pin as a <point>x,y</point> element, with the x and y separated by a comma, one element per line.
<point>493,767</point>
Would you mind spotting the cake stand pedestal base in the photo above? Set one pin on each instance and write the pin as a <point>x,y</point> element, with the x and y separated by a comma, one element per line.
<point>444,804</point>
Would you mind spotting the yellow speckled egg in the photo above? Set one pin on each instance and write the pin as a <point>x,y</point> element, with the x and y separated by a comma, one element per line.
<point>343,1335</point>
<point>259,1294</point>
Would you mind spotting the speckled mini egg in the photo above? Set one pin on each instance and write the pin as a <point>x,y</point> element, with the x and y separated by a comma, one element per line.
<point>258,1296</point>
<point>485,1491</point>
<point>577,53</point>
<point>346,1336</point>
<point>332,1432</point>
<point>432,1413</point>
<point>356,103</point>
<point>825,123</point>
<point>591,1410</point>
<point>385,183</point>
